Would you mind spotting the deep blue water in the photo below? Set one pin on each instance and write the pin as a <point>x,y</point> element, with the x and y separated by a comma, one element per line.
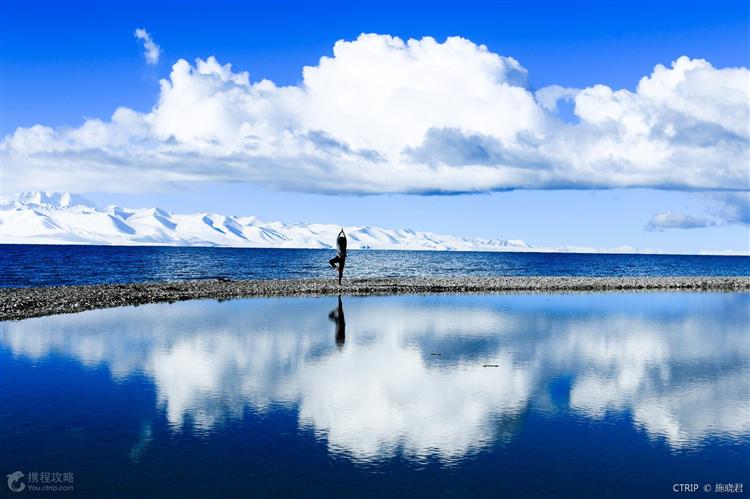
<point>35,265</point>
<point>595,395</point>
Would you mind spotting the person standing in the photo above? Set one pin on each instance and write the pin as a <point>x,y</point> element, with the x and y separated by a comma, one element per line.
<point>340,257</point>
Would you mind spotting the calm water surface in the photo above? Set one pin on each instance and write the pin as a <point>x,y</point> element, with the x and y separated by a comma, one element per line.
<point>39,265</point>
<point>587,395</point>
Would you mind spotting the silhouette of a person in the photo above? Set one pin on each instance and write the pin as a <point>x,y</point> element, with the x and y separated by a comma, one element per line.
<point>340,257</point>
<point>337,316</point>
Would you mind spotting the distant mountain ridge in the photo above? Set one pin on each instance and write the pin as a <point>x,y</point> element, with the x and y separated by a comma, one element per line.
<point>64,218</point>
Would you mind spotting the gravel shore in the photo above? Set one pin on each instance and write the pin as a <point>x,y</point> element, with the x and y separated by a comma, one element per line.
<point>22,303</point>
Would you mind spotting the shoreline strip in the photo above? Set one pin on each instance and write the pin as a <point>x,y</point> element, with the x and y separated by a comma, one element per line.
<point>24,303</point>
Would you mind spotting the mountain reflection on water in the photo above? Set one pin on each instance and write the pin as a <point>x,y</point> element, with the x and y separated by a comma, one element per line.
<point>425,377</point>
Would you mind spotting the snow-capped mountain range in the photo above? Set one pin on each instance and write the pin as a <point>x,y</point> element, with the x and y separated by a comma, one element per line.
<point>63,218</point>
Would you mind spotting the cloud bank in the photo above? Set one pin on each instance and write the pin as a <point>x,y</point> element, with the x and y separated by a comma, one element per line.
<point>384,115</point>
<point>151,51</point>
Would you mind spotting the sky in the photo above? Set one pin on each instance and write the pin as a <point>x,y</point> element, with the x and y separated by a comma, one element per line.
<point>595,124</point>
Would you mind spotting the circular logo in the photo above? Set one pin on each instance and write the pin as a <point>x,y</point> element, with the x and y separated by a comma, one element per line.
<point>14,481</point>
<point>707,488</point>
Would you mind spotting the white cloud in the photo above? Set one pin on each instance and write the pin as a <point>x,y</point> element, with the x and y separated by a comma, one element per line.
<point>677,220</point>
<point>549,96</point>
<point>151,51</point>
<point>416,116</point>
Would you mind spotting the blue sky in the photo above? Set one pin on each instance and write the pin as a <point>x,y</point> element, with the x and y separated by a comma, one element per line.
<point>64,63</point>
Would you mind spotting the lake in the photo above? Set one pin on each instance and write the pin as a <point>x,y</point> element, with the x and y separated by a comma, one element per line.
<point>525,395</point>
<point>40,265</point>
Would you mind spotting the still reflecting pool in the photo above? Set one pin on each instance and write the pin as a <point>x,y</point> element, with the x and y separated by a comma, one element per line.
<point>595,395</point>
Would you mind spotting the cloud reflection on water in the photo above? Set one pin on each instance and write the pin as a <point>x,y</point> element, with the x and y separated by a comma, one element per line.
<point>678,364</point>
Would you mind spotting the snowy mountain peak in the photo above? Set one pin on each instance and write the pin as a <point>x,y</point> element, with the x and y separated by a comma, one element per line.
<point>54,199</point>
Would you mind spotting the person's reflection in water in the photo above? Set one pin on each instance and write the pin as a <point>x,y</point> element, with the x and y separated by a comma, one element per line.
<point>337,315</point>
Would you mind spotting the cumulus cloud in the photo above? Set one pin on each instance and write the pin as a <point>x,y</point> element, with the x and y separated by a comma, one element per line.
<point>418,116</point>
<point>677,220</point>
<point>151,51</point>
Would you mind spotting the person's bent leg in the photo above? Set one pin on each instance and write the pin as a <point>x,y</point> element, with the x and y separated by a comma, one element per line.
<point>333,261</point>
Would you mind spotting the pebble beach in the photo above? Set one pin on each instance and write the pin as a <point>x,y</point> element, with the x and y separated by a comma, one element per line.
<point>23,303</point>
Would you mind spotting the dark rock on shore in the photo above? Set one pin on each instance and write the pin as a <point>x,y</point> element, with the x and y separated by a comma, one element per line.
<point>22,303</point>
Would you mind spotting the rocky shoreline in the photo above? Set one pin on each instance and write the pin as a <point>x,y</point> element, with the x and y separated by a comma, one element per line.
<point>23,303</point>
